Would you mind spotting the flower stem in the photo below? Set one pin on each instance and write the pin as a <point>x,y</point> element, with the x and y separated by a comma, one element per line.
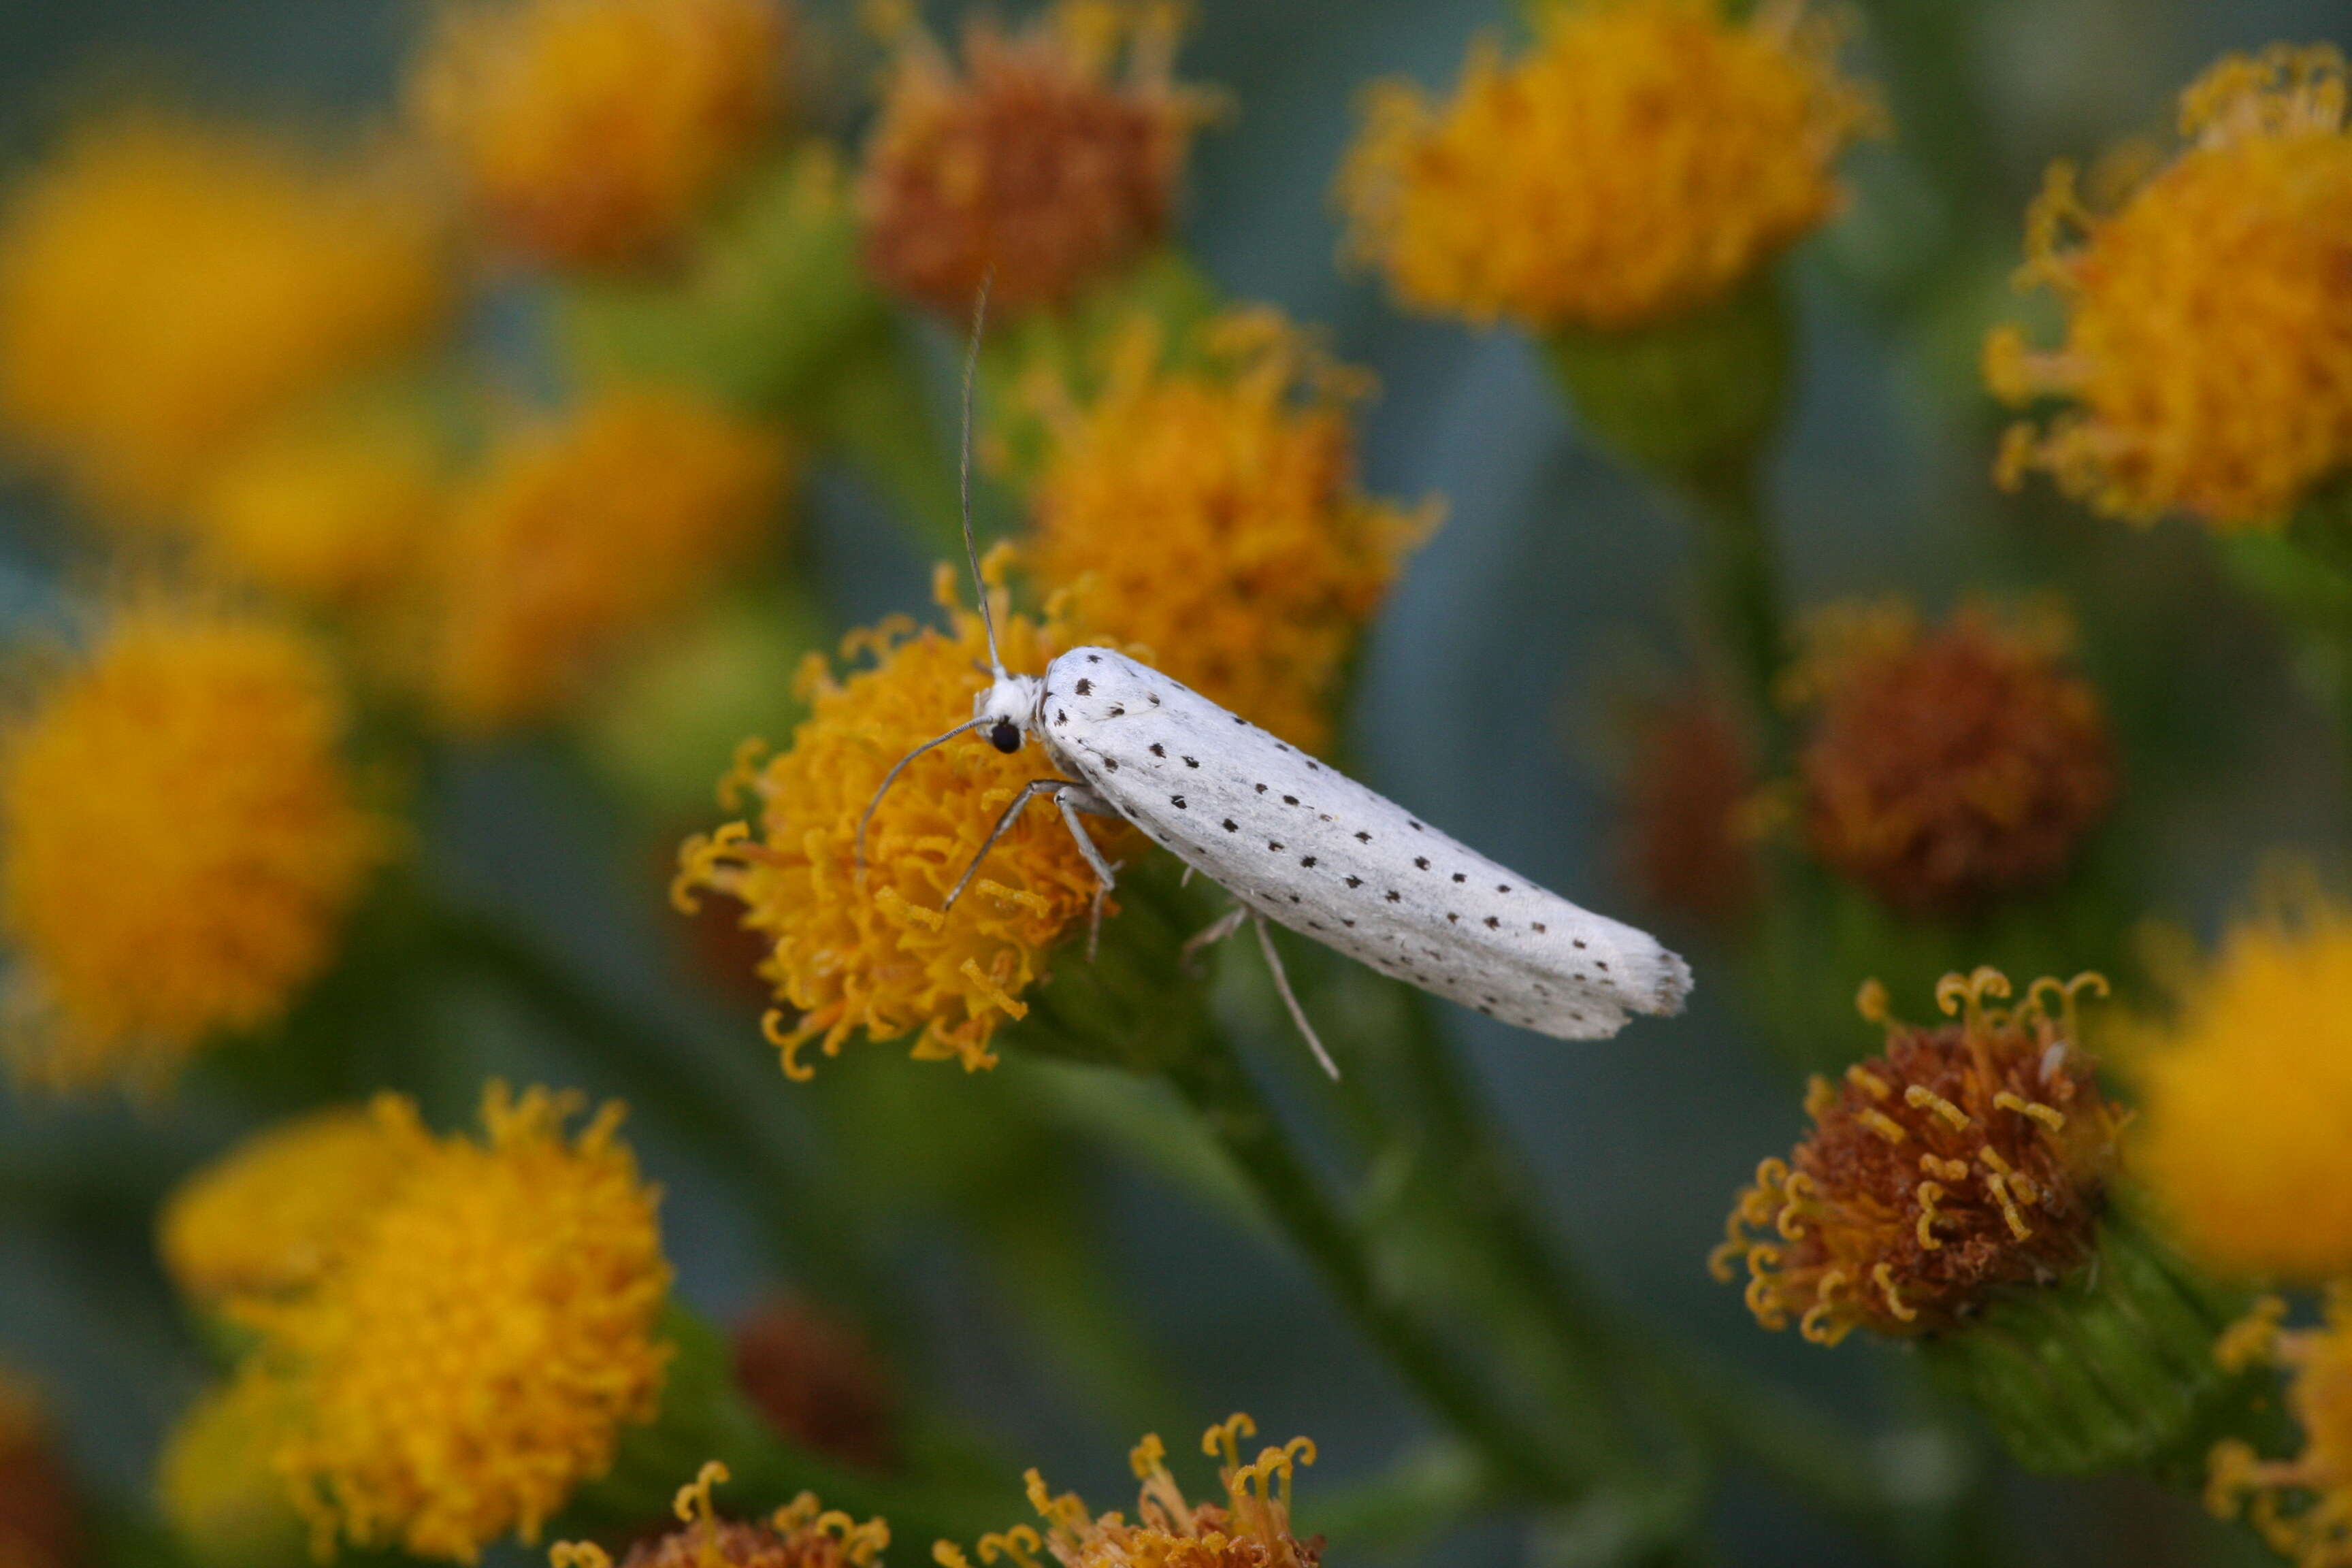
<point>1740,581</point>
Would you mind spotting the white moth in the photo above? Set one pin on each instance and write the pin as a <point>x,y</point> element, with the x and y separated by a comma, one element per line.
<point>1296,841</point>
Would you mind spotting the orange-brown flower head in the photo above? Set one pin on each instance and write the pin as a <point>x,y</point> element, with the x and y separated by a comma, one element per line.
<point>804,1533</point>
<point>472,1354</point>
<point>1249,1529</point>
<point>167,285</point>
<point>591,132</point>
<point>1209,513</point>
<point>1692,775</point>
<point>818,1381</point>
<point>2301,1506</point>
<point>1946,767</point>
<point>867,949</point>
<point>39,1525</point>
<point>270,1216</point>
<point>1045,164</point>
<point>2247,1091</point>
<point>182,839</point>
<point>1640,162</point>
<point>586,531</point>
<point>1965,1158</point>
<point>2207,364</point>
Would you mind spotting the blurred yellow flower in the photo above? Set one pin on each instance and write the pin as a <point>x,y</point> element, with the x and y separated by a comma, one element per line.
<point>1640,162</point>
<point>1210,514</point>
<point>591,132</point>
<point>164,285</point>
<point>585,532</point>
<point>869,949</point>
<point>218,1492</point>
<point>2247,1092</point>
<point>2301,1506</point>
<point>804,1533</point>
<point>2208,354</point>
<point>473,1354</point>
<point>1249,1529</point>
<point>331,508</point>
<point>183,839</point>
<point>1038,166</point>
<point>1946,766</point>
<point>269,1217</point>
<point>1965,1157</point>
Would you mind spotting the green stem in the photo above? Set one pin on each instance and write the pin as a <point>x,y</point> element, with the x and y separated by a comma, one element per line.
<point>1741,580</point>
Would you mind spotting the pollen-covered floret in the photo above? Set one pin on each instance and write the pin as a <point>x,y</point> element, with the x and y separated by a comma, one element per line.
<point>804,1533</point>
<point>1968,1157</point>
<point>2302,1506</point>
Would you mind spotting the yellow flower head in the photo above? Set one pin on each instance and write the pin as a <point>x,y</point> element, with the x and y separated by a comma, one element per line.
<point>1210,514</point>
<point>1965,1158</point>
<point>590,133</point>
<point>2208,355</point>
<point>165,285</point>
<point>1640,162</point>
<point>216,1486</point>
<point>587,530</point>
<point>1946,766</point>
<point>268,1218</point>
<point>869,949</point>
<point>1249,1529</point>
<point>179,841</point>
<point>804,1533</point>
<point>2303,1506</point>
<point>2247,1092</point>
<point>1036,166</point>
<point>472,1353</point>
<point>329,508</point>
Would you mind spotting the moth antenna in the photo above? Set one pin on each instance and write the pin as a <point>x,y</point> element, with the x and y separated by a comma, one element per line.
<point>892,778</point>
<point>964,473</point>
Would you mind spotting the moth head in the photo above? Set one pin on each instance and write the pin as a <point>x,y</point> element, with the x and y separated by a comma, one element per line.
<point>1006,709</point>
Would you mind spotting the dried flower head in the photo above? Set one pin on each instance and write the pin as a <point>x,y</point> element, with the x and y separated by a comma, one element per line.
<point>1250,1529</point>
<point>867,949</point>
<point>1692,777</point>
<point>583,533</point>
<point>591,132</point>
<point>1640,162</point>
<point>167,285</point>
<point>2247,1090</point>
<point>1209,513</point>
<point>1946,767</point>
<point>1045,164</point>
<point>802,1534</point>
<point>1965,1158</point>
<point>268,1218</point>
<point>182,840</point>
<point>2301,1506</point>
<point>2208,355</point>
<point>40,1525</point>
<point>472,1354</point>
<point>818,1381</point>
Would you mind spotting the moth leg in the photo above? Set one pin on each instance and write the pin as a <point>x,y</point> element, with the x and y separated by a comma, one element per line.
<point>1224,926</point>
<point>1074,799</point>
<point>1290,1000</point>
<point>1029,792</point>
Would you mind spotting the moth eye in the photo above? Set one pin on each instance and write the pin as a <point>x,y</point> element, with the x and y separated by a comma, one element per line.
<point>1005,736</point>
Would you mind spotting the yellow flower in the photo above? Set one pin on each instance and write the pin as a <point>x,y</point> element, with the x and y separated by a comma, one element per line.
<point>1644,159</point>
<point>804,1533</point>
<point>216,1486</point>
<point>1947,766</point>
<point>268,1218</point>
<point>2208,354</point>
<point>1965,1158</point>
<point>182,841</point>
<point>471,1355</point>
<point>2301,1506</point>
<point>2247,1093</point>
<point>851,949</point>
<point>1036,167</point>
<point>1250,1529</point>
<point>165,285</point>
<point>585,532</point>
<point>590,133</point>
<point>330,508</point>
<point>1210,514</point>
